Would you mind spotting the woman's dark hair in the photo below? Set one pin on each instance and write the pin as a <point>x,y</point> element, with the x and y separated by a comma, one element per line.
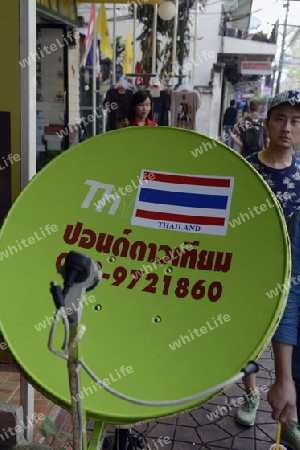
<point>136,99</point>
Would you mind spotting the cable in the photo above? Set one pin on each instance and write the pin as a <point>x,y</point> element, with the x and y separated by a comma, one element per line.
<point>161,403</point>
<point>52,330</point>
<point>73,367</point>
<point>67,329</point>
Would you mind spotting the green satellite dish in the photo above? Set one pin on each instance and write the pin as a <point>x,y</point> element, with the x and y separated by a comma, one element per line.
<point>189,246</point>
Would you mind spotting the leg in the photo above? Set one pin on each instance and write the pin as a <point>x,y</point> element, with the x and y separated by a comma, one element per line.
<point>227,136</point>
<point>231,141</point>
<point>290,436</point>
<point>298,400</point>
<point>246,412</point>
<point>250,383</point>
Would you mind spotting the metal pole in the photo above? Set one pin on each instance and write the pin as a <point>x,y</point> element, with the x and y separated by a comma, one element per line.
<point>134,34</point>
<point>282,48</point>
<point>153,70</point>
<point>174,41</point>
<point>94,73</point>
<point>181,41</point>
<point>114,48</point>
<point>195,41</point>
<point>28,89</point>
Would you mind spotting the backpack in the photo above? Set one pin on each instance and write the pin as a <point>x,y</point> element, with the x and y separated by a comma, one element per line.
<point>253,134</point>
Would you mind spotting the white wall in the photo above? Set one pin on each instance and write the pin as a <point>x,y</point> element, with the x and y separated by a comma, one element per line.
<point>208,117</point>
<point>208,43</point>
<point>248,47</point>
<point>203,115</point>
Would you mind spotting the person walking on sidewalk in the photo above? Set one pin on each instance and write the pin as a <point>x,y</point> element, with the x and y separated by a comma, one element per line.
<point>280,168</point>
<point>229,121</point>
<point>249,134</point>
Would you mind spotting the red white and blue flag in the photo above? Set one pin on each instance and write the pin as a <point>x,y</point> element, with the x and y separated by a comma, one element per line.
<point>88,42</point>
<point>188,203</point>
<point>89,33</point>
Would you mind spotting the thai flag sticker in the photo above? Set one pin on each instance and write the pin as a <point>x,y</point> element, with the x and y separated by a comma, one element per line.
<point>188,203</point>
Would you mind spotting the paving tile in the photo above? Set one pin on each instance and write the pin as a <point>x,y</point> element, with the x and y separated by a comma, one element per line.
<point>186,434</point>
<point>140,429</point>
<point>202,416</point>
<point>267,430</point>
<point>264,406</point>
<point>187,420</point>
<point>260,445</point>
<point>223,444</point>
<point>222,411</point>
<point>264,381</point>
<point>209,407</point>
<point>264,395</point>
<point>230,425</point>
<point>184,446</point>
<point>155,444</point>
<point>243,443</point>
<point>211,433</point>
<point>162,430</point>
<point>221,399</point>
<point>245,432</point>
<point>264,417</point>
<point>169,420</point>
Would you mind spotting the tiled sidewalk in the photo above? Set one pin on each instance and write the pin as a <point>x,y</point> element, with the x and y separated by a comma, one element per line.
<point>196,430</point>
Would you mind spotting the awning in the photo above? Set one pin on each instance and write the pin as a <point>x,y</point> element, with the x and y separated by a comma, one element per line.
<point>64,11</point>
<point>138,2</point>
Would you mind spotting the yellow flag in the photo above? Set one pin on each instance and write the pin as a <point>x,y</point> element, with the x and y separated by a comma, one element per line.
<point>103,33</point>
<point>128,56</point>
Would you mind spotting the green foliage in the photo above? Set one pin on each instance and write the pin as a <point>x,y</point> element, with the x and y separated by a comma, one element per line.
<point>48,430</point>
<point>165,35</point>
<point>119,49</point>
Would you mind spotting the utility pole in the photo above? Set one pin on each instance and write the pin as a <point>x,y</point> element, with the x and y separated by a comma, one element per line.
<point>287,6</point>
<point>183,20</point>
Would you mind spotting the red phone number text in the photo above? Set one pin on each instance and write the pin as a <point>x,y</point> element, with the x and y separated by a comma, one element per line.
<point>183,286</point>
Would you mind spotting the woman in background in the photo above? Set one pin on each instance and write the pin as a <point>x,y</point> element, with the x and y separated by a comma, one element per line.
<point>139,113</point>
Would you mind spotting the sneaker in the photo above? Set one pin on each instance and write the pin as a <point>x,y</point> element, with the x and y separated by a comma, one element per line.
<point>246,412</point>
<point>291,436</point>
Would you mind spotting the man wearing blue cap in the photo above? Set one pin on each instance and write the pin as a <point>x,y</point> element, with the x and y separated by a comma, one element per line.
<point>280,168</point>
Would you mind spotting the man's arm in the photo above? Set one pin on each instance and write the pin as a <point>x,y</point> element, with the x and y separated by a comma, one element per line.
<point>235,139</point>
<point>282,394</point>
<point>236,133</point>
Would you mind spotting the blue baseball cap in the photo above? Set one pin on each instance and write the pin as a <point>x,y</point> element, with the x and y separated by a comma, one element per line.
<point>291,97</point>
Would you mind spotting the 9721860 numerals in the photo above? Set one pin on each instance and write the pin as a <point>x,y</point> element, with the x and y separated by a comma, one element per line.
<point>182,289</point>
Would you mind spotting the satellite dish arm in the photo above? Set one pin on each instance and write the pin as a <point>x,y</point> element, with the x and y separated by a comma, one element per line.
<point>80,274</point>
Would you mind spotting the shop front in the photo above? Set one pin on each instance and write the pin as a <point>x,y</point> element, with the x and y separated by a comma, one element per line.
<point>57,77</point>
